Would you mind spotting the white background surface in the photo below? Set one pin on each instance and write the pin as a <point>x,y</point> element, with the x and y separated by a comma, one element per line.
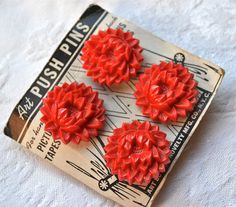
<point>205,174</point>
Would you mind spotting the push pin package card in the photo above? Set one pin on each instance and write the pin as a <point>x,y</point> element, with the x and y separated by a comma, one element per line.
<point>85,161</point>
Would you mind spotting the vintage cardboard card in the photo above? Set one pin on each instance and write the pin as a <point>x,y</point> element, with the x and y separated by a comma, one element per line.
<point>85,161</point>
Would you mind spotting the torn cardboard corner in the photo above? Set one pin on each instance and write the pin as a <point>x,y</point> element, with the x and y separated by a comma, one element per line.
<point>85,161</point>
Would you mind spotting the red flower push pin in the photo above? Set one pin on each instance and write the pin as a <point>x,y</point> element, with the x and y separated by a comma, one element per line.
<point>112,56</point>
<point>166,92</point>
<point>137,152</point>
<point>72,112</point>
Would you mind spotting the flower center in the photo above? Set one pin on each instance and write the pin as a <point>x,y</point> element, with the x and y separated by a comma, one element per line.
<point>164,88</point>
<point>157,90</point>
<point>110,53</point>
<point>137,150</point>
<point>72,109</point>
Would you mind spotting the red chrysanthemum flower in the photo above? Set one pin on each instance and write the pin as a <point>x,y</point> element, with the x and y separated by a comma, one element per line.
<point>72,112</point>
<point>112,56</point>
<point>166,92</point>
<point>137,152</point>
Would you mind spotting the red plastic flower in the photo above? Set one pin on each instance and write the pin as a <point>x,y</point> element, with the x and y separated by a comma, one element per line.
<point>72,112</point>
<point>112,56</point>
<point>137,152</point>
<point>166,91</point>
